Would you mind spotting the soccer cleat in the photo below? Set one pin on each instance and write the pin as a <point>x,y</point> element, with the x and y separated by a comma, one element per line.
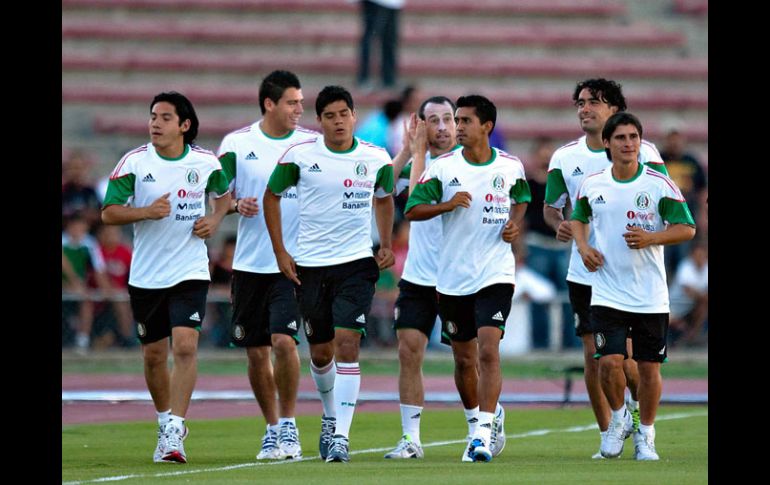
<point>636,418</point>
<point>478,450</point>
<point>174,448</point>
<point>497,441</point>
<point>270,449</point>
<point>617,432</point>
<point>338,451</point>
<point>598,454</point>
<point>157,457</point>
<point>406,448</point>
<point>288,442</point>
<point>328,426</point>
<point>644,446</point>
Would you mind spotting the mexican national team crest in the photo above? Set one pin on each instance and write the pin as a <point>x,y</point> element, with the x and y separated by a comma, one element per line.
<point>238,332</point>
<point>599,340</point>
<point>498,183</point>
<point>193,177</point>
<point>361,170</point>
<point>141,330</point>
<point>642,200</point>
<point>308,328</point>
<point>451,327</point>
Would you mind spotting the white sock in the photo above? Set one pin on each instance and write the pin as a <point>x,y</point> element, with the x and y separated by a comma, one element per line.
<point>498,409</point>
<point>275,428</point>
<point>618,415</point>
<point>410,421</point>
<point>631,404</point>
<point>286,420</point>
<point>347,386</point>
<point>472,418</point>
<point>177,421</point>
<point>324,381</point>
<point>647,430</point>
<point>163,417</point>
<point>484,428</point>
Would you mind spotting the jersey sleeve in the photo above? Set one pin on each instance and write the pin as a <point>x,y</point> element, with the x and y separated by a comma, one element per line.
<point>383,184</point>
<point>672,206</point>
<point>652,157</point>
<point>228,162</point>
<point>582,211</point>
<point>428,189</point>
<point>284,176</point>
<point>555,188</point>
<point>520,192</point>
<point>218,183</point>
<point>120,190</point>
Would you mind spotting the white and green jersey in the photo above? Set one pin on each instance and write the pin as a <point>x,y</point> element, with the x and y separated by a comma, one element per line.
<point>248,157</point>
<point>473,254</point>
<point>569,166</point>
<point>334,190</point>
<point>165,250</point>
<point>425,237</point>
<point>632,280</point>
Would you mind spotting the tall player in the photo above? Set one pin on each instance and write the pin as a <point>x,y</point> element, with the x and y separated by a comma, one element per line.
<point>596,100</point>
<point>265,312</point>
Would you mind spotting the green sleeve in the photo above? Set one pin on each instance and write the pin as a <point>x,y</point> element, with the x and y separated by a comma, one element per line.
<point>119,190</point>
<point>425,193</point>
<point>406,171</point>
<point>218,183</point>
<point>675,212</point>
<point>520,192</point>
<point>582,211</point>
<point>554,186</point>
<point>228,165</point>
<point>658,167</point>
<point>284,176</point>
<point>385,178</point>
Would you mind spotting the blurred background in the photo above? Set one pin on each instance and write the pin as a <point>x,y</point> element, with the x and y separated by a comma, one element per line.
<point>525,55</point>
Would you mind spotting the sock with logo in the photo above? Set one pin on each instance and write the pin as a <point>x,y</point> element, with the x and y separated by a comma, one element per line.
<point>410,421</point>
<point>472,418</point>
<point>348,383</point>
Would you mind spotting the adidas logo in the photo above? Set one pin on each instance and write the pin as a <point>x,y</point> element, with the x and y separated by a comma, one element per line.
<point>195,317</point>
<point>361,318</point>
<point>454,183</point>
<point>148,178</point>
<point>415,416</point>
<point>577,172</point>
<point>498,316</point>
<point>473,420</point>
<point>600,200</point>
<point>314,168</point>
<point>486,425</point>
<point>292,325</point>
<point>251,156</point>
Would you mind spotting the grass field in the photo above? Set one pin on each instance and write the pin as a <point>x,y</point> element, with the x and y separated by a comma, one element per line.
<point>550,446</point>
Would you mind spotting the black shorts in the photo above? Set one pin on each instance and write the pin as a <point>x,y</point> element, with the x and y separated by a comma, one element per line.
<point>462,316</point>
<point>338,296</point>
<point>416,307</point>
<point>580,299</point>
<point>647,331</point>
<point>263,304</point>
<point>158,310</point>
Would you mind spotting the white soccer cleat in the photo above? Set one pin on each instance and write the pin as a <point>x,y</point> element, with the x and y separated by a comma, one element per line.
<point>466,455</point>
<point>617,432</point>
<point>288,442</point>
<point>497,442</point>
<point>270,449</point>
<point>644,446</point>
<point>478,450</point>
<point>406,448</point>
<point>174,448</point>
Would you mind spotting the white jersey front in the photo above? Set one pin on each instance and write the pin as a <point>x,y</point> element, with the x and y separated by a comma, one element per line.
<point>334,191</point>
<point>473,254</point>
<point>632,280</point>
<point>425,238</point>
<point>249,156</point>
<point>569,166</point>
<point>165,250</point>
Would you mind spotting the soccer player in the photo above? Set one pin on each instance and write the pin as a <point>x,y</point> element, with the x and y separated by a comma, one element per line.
<point>633,211</point>
<point>265,312</point>
<point>161,188</point>
<point>596,101</point>
<point>416,309</point>
<point>481,194</point>
<point>340,181</point>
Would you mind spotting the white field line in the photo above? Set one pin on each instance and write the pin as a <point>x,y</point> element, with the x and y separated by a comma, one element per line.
<point>537,432</point>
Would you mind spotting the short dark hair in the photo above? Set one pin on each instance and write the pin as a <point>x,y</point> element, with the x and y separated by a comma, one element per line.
<point>435,100</point>
<point>485,109</point>
<point>392,108</point>
<point>618,119</point>
<point>274,85</point>
<point>184,109</point>
<point>606,90</point>
<point>330,94</point>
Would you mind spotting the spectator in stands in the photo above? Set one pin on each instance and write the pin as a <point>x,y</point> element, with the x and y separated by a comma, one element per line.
<point>376,127</point>
<point>117,260</point>
<point>633,212</point>
<point>77,192</point>
<point>217,323</point>
<point>690,295</point>
<point>380,19</point>
<point>82,261</point>
<point>688,174</point>
<point>545,254</point>
<point>161,188</point>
